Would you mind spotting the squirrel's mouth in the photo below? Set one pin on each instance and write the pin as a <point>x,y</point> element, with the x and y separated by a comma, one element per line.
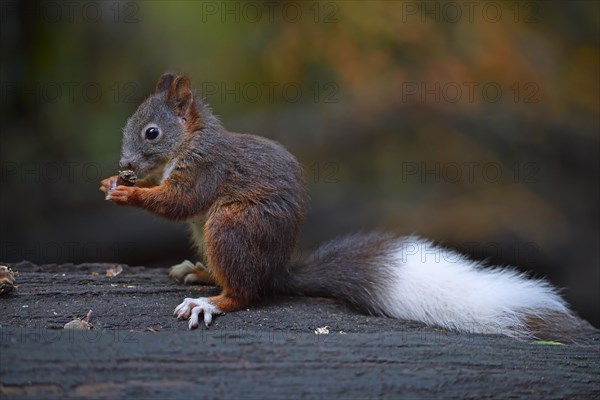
<point>142,169</point>
<point>138,168</point>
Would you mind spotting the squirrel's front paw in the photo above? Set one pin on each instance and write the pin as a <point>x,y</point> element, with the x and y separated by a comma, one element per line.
<point>122,195</point>
<point>108,184</point>
<point>193,307</point>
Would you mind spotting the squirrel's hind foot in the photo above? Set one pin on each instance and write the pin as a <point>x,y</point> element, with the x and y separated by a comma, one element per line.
<point>208,306</point>
<point>191,309</point>
<point>191,274</point>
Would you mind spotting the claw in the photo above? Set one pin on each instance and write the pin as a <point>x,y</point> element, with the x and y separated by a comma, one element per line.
<point>181,308</point>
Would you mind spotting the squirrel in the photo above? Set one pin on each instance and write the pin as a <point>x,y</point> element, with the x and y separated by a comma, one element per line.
<point>244,197</point>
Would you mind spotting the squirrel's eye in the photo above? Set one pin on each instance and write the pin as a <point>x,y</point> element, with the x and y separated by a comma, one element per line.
<point>151,133</point>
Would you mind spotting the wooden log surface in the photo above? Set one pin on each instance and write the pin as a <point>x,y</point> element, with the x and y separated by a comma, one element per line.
<point>138,350</point>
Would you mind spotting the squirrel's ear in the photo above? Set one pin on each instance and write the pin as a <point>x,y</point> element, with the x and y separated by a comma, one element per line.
<point>164,82</point>
<point>180,95</point>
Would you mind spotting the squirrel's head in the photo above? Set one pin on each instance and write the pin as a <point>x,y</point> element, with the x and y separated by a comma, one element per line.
<point>154,132</point>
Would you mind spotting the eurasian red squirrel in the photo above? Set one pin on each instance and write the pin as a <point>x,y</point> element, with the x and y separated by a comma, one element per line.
<point>244,197</point>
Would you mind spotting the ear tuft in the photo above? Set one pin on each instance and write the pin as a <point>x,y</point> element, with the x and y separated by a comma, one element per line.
<point>180,95</point>
<point>164,82</point>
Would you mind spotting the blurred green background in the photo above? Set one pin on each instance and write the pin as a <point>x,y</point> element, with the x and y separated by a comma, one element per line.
<point>474,124</point>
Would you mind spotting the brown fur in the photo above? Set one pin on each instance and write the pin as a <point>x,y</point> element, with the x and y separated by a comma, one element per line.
<point>226,303</point>
<point>562,327</point>
<point>250,188</point>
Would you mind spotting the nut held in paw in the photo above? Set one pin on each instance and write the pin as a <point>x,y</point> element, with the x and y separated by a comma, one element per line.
<point>127,178</point>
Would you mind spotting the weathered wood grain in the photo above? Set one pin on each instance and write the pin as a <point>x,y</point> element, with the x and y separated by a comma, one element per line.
<point>268,352</point>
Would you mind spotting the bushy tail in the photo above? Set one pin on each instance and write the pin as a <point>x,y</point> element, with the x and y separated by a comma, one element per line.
<point>411,278</point>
